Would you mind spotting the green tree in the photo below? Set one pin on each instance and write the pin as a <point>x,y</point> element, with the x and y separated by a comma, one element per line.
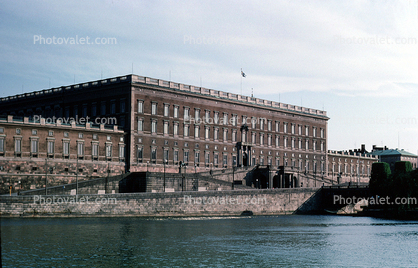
<point>380,180</point>
<point>403,167</point>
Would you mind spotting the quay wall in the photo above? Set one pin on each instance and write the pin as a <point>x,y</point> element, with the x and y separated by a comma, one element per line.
<point>176,204</point>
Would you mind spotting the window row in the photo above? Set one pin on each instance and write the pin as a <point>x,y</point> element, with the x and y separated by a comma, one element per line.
<point>215,117</point>
<point>51,146</point>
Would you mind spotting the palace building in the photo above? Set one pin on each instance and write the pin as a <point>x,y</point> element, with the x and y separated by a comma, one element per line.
<point>167,123</point>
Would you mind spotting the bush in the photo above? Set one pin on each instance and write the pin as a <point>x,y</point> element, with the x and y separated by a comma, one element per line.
<point>380,180</point>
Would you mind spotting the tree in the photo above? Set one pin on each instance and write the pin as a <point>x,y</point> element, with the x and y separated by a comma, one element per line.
<point>380,180</point>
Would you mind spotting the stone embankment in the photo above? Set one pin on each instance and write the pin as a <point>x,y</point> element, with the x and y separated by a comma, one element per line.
<point>177,204</point>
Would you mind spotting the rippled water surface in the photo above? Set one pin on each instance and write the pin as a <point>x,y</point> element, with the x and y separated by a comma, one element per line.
<point>281,241</point>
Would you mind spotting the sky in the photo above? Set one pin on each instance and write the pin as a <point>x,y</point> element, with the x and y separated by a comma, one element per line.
<point>357,60</point>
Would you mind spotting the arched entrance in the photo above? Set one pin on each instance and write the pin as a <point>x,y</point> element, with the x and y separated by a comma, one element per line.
<point>244,159</point>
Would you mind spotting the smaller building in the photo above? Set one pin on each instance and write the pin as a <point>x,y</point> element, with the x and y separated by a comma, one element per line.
<point>350,166</point>
<point>33,154</point>
<point>391,156</point>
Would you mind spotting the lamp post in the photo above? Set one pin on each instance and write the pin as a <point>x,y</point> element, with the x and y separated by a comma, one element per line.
<point>197,178</point>
<point>164,162</point>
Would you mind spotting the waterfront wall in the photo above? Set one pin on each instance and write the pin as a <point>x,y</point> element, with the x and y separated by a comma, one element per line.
<point>191,203</point>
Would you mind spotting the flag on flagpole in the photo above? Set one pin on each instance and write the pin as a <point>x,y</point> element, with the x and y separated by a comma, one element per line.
<point>242,73</point>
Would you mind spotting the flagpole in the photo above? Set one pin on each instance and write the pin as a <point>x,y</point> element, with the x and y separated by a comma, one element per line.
<point>241,81</point>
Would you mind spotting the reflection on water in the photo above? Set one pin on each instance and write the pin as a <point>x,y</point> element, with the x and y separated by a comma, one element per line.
<point>287,241</point>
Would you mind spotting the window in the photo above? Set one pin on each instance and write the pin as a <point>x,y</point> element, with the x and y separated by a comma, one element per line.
<point>216,134</point>
<point>176,129</point>
<point>18,131</point>
<point>66,148</point>
<point>277,126</point>
<point>207,116</point>
<point>314,131</point>
<point>166,128</point>
<point>216,117</point>
<point>293,126</point>
<point>186,130</point>
<point>196,131</point>
<point>197,158</point>
<point>216,160</point>
<point>234,120</point>
<point>207,159</point>
<point>285,142</point>
<point>234,136</point>
<point>225,137</point>
<point>253,122</point>
<point>153,155</point>
<point>307,130</point>
<point>50,133</point>
<point>293,143</point>
<point>108,151</point>
<point>84,111</point>
<point>80,149</point>
<point>207,133</point>
<point>34,132</point>
<point>285,127</point>
<point>269,125</point>
<point>307,145</point>
<point>225,160</point>
<point>186,113</point>
<point>1,146</point>
<point>103,107</point>
<point>300,143</point>
<point>186,157</point>
<point>225,120</point>
<point>154,108</point>
<point>80,135</point>
<point>1,130</point>
<point>112,107</point>
<point>243,135</point>
<point>140,104</point>
<point>18,147</point>
<point>108,138</point>
<point>95,150</point>
<point>154,126</point>
<point>51,147</point>
<point>197,115</point>
<point>176,111</point>
<point>166,110</point>
<point>261,124</point>
<point>322,133</point>
<point>66,134</point>
<point>140,154</point>
<point>34,147</point>
<point>269,140</point>
<point>253,138</point>
<point>261,139</point>
<point>122,106</point>
<point>300,129</point>
<point>94,109</point>
<point>314,146</point>
<point>322,146</point>
<point>277,140</point>
<point>140,124</point>
<point>121,151</point>
<point>176,156</point>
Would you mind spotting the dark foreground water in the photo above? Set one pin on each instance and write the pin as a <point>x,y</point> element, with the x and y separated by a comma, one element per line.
<point>281,241</point>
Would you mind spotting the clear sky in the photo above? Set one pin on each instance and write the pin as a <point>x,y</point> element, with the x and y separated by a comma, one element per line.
<point>358,60</point>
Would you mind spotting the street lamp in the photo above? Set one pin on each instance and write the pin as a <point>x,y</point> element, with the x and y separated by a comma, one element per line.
<point>197,178</point>
<point>164,161</point>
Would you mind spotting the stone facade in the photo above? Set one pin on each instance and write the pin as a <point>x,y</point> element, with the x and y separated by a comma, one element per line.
<point>226,203</point>
<point>35,153</point>
<point>167,123</point>
<point>350,167</point>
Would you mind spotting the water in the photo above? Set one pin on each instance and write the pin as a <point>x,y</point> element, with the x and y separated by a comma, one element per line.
<point>279,241</point>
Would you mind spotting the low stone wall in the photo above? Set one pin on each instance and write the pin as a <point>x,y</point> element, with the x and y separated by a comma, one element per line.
<point>191,203</point>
